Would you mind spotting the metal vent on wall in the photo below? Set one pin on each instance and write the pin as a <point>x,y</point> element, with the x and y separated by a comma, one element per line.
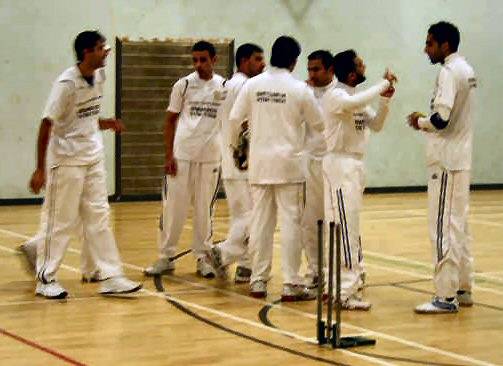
<point>145,74</point>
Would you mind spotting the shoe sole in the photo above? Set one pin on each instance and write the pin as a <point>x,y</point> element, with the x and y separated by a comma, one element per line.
<point>242,280</point>
<point>134,289</point>
<point>435,312</point>
<point>62,295</point>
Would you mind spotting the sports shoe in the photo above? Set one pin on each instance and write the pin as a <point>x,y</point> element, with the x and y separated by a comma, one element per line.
<point>297,293</point>
<point>242,275</point>
<point>438,305</point>
<point>30,257</point>
<point>204,268</point>
<point>355,302</point>
<point>215,259</point>
<point>258,289</point>
<point>51,290</point>
<point>161,267</point>
<point>91,277</point>
<point>464,298</point>
<point>119,285</point>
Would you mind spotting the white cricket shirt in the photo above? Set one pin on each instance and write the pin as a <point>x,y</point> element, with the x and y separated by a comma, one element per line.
<point>276,106</point>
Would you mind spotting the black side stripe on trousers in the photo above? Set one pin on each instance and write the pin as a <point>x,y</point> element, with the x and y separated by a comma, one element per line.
<point>345,235</point>
<point>213,199</point>
<point>52,192</point>
<point>440,217</point>
<point>360,250</point>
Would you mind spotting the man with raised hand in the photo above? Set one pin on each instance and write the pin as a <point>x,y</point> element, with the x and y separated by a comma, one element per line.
<point>348,118</point>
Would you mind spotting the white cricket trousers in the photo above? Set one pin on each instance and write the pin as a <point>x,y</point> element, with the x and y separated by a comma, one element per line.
<point>196,184</point>
<point>344,184</point>
<point>76,200</point>
<point>313,212</point>
<point>448,208</point>
<point>268,201</point>
<point>235,247</point>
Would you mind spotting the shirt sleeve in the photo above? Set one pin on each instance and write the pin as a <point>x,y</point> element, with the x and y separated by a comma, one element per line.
<point>376,120</point>
<point>240,110</point>
<point>361,99</point>
<point>176,97</point>
<point>60,100</point>
<point>446,89</point>
<point>312,111</point>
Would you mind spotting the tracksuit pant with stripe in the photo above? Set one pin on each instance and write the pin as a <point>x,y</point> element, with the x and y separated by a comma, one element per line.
<point>448,208</point>
<point>235,247</point>
<point>76,201</point>
<point>344,178</point>
<point>197,184</point>
<point>312,213</point>
<point>269,200</point>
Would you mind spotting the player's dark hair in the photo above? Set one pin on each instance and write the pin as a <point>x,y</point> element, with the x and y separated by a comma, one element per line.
<point>245,51</point>
<point>324,56</point>
<point>86,40</point>
<point>445,32</point>
<point>204,46</point>
<point>344,64</point>
<point>285,51</point>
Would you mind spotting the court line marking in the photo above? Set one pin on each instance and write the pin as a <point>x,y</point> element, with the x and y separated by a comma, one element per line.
<point>225,315</point>
<point>294,335</point>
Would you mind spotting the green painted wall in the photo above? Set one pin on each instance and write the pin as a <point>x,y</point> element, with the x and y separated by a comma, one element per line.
<point>36,39</point>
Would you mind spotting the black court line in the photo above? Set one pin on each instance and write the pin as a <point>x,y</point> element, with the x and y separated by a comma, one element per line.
<point>160,288</point>
<point>413,289</point>
<point>263,315</point>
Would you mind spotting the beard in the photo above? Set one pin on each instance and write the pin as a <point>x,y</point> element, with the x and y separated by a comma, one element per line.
<point>360,78</point>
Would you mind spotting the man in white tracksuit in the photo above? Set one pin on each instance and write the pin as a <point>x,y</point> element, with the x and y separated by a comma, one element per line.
<point>321,79</point>
<point>449,133</point>
<point>249,62</point>
<point>277,105</point>
<point>348,118</point>
<point>71,159</point>
<point>192,162</point>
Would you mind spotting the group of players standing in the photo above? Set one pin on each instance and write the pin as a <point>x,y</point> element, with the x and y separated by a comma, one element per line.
<point>307,143</point>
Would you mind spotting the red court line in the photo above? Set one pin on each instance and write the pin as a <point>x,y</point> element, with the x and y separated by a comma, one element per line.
<point>42,348</point>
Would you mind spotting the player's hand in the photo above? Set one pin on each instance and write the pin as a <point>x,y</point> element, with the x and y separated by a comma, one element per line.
<point>388,75</point>
<point>170,166</point>
<point>112,124</point>
<point>37,180</point>
<point>388,93</point>
<point>413,120</point>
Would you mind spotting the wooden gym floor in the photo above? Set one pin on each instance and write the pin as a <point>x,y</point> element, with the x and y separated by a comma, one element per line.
<point>214,322</point>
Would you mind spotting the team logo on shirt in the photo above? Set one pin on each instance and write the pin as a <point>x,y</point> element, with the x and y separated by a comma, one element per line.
<point>359,118</point>
<point>203,109</point>
<point>472,82</point>
<point>219,95</point>
<point>271,97</point>
<point>86,112</point>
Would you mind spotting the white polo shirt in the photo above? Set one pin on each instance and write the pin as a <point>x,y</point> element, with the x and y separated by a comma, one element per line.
<point>276,106</point>
<point>454,89</point>
<point>348,117</point>
<point>229,170</point>
<point>198,102</point>
<point>315,141</point>
<point>74,106</point>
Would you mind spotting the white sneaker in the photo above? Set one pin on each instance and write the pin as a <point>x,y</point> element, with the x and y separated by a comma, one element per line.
<point>204,268</point>
<point>51,290</point>
<point>161,267</point>
<point>214,258</point>
<point>297,293</point>
<point>258,289</point>
<point>464,298</point>
<point>119,285</point>
<point>354,302</point>
<point>438,305</point>
<point>30,257</point>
